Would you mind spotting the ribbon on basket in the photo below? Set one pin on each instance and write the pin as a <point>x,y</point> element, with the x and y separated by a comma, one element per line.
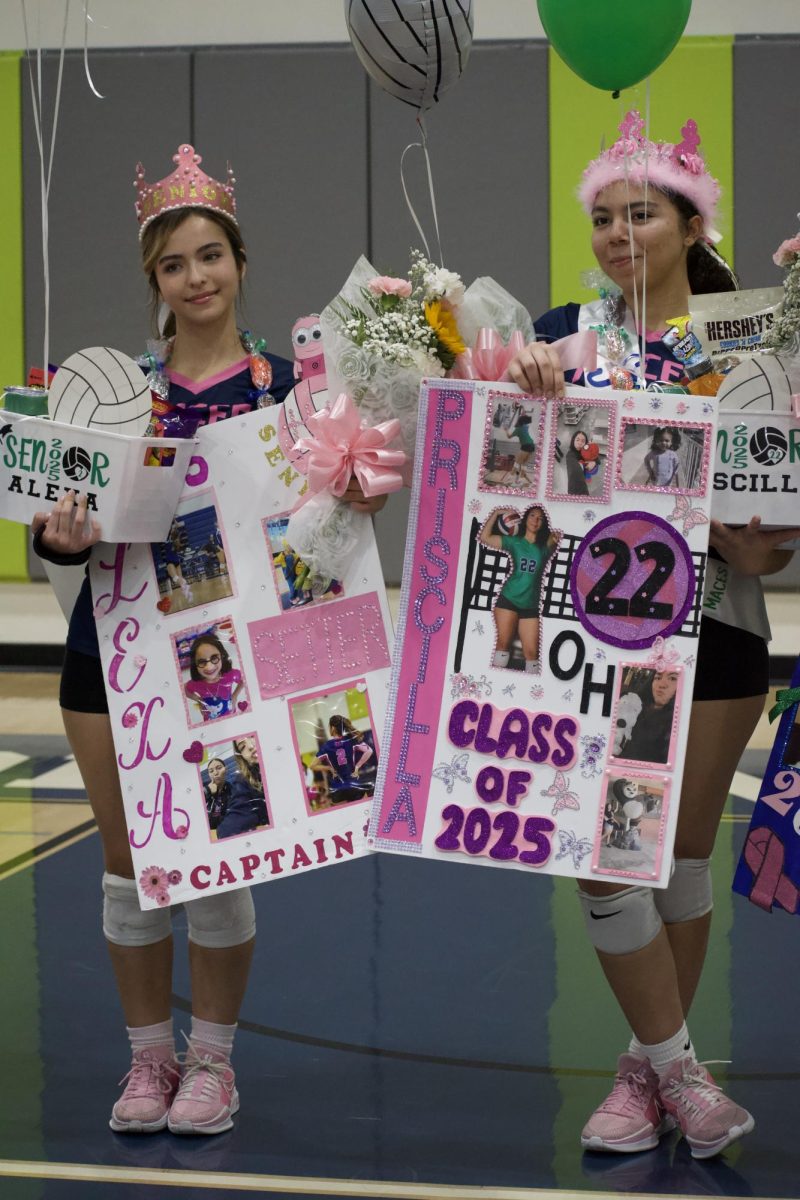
<point>490,358</point>
<point>341,445</point>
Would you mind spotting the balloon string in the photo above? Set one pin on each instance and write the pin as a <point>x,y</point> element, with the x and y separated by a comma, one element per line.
<point>37,102</point>
<point>423,146</point>
<point>86,19</point>
<point>643,339</point>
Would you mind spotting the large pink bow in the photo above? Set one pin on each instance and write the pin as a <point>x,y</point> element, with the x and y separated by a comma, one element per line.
<point>490,359</point>
<point>341,445</point>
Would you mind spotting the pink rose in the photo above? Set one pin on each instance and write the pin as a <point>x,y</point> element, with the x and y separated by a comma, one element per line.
<point>784,256</point>
<point>387,285</point>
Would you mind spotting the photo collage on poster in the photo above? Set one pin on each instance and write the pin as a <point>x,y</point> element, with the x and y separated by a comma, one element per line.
<point>569,640</point>
<point>334,736</point>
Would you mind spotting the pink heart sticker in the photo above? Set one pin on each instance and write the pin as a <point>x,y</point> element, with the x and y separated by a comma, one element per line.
<point>195,752</point>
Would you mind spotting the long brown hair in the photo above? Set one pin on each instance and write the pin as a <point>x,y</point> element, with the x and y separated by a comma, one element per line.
<point>155,238</point>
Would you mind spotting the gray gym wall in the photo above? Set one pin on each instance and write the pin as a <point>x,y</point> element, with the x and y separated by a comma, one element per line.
<point>316,150</point>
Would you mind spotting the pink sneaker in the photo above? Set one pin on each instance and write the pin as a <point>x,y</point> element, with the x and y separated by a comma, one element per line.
<point>708,1119</point>
<point>207,1099</point>
<point>150,1086</point>
<point>631,1117</point>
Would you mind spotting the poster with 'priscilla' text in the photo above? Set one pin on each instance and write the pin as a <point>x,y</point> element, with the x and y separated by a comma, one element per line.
<point>247,695</point>
<point>548,630</point>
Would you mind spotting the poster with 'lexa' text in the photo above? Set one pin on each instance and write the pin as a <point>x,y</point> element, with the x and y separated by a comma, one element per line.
<point>247,695</point>
<point>548,630</point>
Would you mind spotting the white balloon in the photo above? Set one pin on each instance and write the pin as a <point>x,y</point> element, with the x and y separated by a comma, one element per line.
<point>415,49</point>
<point>101,388</point>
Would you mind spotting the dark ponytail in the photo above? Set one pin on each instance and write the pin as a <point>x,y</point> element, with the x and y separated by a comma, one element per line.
<point>707,269</point>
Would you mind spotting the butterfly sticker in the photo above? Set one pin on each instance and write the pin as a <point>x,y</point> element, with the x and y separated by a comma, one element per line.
<point>509,690</point>
<point>683,511</point>
<point>664,656</point>
<point>572,845</point>
<point>456,769</point>
<point>559,791</point>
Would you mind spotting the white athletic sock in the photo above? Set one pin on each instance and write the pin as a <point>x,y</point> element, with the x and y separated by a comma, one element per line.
<point>217,1038</point>
<point>663,1054</point>
<point>146,1037</point>
<point>531,665</point>
<point>501,658</point>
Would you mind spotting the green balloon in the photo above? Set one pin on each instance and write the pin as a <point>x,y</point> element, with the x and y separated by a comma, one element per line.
<point>613,44</point>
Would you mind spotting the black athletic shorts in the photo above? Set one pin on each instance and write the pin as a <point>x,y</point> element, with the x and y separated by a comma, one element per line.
<point>524,614</point>
<point>83,688</point>
<point>731,663</point>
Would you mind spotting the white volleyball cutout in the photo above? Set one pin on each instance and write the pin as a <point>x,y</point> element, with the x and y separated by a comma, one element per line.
<point>101,388</point>
<point>758,385</point>
<point>414,49</point>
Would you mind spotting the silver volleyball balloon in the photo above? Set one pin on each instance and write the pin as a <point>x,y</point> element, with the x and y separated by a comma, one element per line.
<point>415,49</point>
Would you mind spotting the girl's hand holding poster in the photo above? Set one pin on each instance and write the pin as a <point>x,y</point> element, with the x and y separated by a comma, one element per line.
<point>550,611</point>
<point>247,694</point>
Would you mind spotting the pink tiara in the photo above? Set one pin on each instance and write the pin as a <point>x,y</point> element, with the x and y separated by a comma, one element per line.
<point>677,167</point>
<point>186,187</point>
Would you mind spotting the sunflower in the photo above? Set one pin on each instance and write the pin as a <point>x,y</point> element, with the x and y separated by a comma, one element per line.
<point>443,324</point>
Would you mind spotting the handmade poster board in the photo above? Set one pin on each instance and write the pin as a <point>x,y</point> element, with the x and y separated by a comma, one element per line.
<point>540,692</point>
<point>768,872</point>
<point>227,664</point>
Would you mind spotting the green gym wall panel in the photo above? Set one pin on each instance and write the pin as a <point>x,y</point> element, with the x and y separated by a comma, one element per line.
<point>13,563</point>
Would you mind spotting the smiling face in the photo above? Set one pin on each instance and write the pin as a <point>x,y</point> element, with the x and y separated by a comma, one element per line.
<point>664,440</point>
<point>665,685</point>
<point>196,272</point>
<point>658,229</point>
<point>208,661</point>
<point>534,522</point>
<point>579,441</point>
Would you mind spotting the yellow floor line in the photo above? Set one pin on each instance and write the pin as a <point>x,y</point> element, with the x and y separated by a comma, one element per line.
<point>6,873</point>
<point>296,1185</point>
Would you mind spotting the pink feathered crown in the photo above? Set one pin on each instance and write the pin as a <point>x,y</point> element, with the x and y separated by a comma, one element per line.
<point>678,167</point>
<point>186,187</point>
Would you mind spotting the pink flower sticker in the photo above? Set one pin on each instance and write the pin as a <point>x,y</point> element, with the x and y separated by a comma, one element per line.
<point>174,878</point>
<point>153,882</point>
<point>162,899</point>
<point>389,285</point>
<point>130,720</point>
<point>140,661</point>
<point>786,253</point>
<point>182,831</point>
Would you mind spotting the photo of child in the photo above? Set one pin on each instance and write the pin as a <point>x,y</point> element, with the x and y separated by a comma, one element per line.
<point>645,714</point>
<point>295,583</point>
<point>212,680</point>
<point>581,451</point>
<point>672,457</point>
<point>510,460</point>
<point>191,565</point>
<point>633,810</point>
<point>336,747</point>
<point>233,788</point>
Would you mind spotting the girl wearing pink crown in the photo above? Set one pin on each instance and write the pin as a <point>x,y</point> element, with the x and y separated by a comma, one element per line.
<point>207,370</point>
<point>652,943</point>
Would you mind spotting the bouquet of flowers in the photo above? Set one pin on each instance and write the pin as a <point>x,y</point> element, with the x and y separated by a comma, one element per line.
<point>382,335</point>
<point>785,333</point>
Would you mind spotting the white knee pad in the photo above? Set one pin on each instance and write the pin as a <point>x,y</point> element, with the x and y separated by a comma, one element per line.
<point>623,922</point>
<point>688,893</point>
<point>124,923</point>
<point>227,919</point>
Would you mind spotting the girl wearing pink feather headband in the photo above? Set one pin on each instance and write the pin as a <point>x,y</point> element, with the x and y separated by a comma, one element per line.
<point>653,211</point>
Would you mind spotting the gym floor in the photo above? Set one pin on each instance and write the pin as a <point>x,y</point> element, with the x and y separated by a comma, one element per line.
<point>410,1030</point>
